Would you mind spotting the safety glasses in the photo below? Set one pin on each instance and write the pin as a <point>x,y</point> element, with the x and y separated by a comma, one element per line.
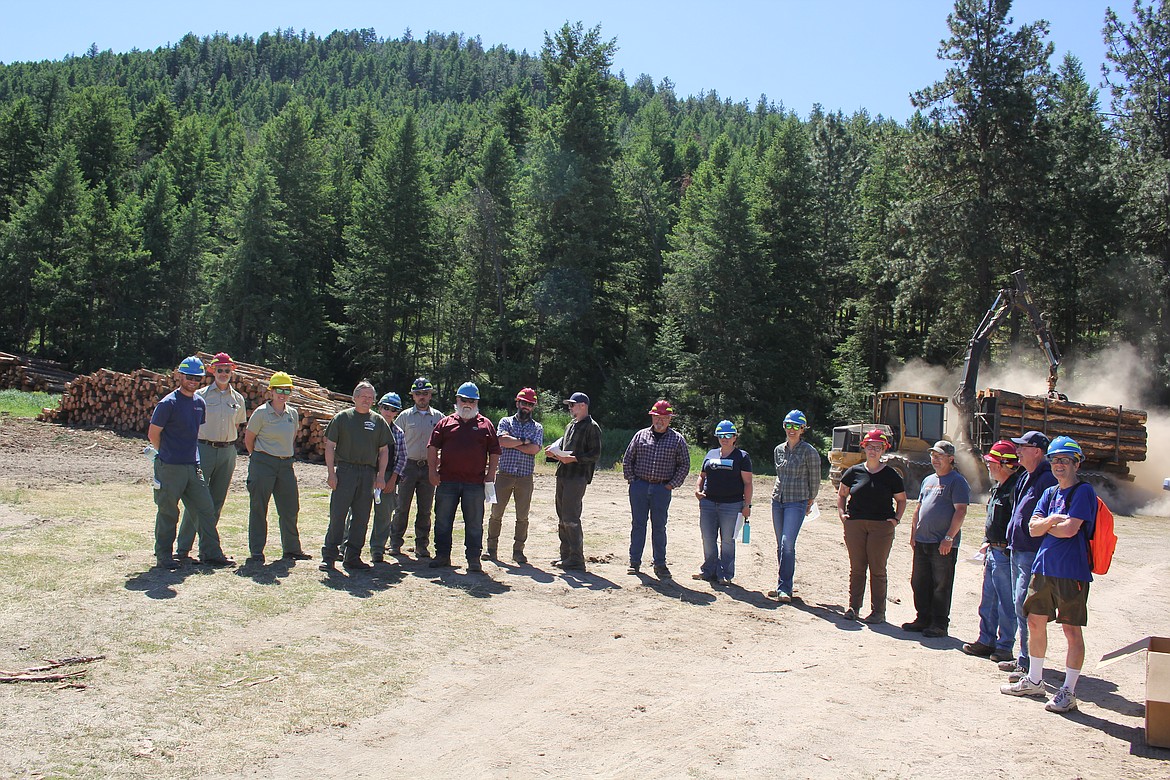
<point>282,390</point>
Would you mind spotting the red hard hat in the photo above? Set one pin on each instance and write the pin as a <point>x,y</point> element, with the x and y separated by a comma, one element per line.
<point>1002,452</point>
<point>222,359</point>
<point>662,409</point>
<point>527,395</point>
<point>881,437</point>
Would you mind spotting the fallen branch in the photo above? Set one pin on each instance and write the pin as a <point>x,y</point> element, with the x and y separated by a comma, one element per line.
<point>248,683</point>
<point>56,677</point>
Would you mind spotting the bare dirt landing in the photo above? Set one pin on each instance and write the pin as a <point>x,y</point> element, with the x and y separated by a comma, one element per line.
<point>523,671</point>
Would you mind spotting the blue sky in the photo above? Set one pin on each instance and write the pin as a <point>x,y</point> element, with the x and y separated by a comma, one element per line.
<point>843,54</point>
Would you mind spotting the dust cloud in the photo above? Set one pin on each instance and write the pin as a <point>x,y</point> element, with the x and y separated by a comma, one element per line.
<point>1114,376</point>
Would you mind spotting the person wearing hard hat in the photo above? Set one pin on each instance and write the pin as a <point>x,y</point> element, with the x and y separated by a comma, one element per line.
<point>794,493</point>
<point>521,438</point>
<point>357,454</point>
<point>270,438</point>
<point>174,433</point>
<point>997,610</point>
<point>462,456</point>
<point>416,424</point>
<point>724,490</point>
<point>656,462</point>
<point>389,406</point>
<point>217,443</point>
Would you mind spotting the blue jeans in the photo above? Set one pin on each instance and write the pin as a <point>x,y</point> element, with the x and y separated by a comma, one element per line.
<point>787,518</point>
<point>470,496</point>
<point>997,608</point>
<point>717,525</point>
<point>1021,576</point>
<point>653,500</point>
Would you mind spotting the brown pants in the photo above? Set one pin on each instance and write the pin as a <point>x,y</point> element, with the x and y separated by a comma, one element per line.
<point>869,543</point>
<point>508,486</point>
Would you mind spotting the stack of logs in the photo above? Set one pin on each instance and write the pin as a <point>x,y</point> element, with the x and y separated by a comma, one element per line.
<point>33,374</point>
<point>124,402</point>
<point>1111,434</point>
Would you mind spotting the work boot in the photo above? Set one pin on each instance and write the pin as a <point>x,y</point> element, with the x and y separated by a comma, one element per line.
<point>422,553</point>
<point>440,562</point>
<point>662,573</point>
<point>474,566</point>
<point>519,557</point>
<point>489,554</point>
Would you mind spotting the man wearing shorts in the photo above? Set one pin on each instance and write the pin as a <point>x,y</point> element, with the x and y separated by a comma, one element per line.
<point>1065,517</point>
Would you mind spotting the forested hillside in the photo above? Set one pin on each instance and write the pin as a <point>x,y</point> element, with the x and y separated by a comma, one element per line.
<point>350,206</point>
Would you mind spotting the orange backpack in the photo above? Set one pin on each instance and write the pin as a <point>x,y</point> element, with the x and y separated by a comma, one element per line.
<point>1103,542</point>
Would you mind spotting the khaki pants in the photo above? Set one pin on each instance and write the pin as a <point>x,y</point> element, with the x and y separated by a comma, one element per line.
<point>182,482</point>
<point>869,543</point>
<point>507,486</point>
<point>218,465</point>
<point>272,477</point>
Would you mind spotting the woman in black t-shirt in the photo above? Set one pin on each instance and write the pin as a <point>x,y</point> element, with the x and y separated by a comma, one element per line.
<point>724,490</point>
<point>870,503</point>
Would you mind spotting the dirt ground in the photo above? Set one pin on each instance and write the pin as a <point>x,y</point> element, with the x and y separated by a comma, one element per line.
<point>283,671</point>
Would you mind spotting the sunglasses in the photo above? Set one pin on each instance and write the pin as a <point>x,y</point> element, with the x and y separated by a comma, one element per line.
<point>1061,460</point>
<point>190,378</point>
<point>725,435</point>
<point>388,408</point>
<point>792,426</point>
<point>282,390</point>
<point>525,405</point>
<point>223,370</point>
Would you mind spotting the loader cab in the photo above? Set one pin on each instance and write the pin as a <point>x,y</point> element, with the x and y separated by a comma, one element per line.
<point>917,420</point>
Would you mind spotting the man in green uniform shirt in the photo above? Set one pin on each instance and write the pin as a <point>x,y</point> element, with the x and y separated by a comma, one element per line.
<point>357,451</point>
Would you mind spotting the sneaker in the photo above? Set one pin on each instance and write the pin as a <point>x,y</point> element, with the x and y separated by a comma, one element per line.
<point>1000,656</point>
<point>474,566</point>
<point>1011,665</point>
<point>725,581</point>
<point>1063,701</point>
<point>915,626</point>
<point>702,576</point>
<point>662,573</point>
<point>1017,674</point>
<point>1023,687</point>
<point>977,649</point>
<point>784,597</point>
<point>633,569</point>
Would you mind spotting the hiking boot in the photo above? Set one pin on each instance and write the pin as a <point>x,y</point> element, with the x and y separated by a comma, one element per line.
<point>1063,701</point>
<point>519,557</point>
<point>185,559</point>
<point>977,649</point>
<point>219,563</point>
<point>873,618</point>
<point>440,562</point>
<point>377,558</point>
<point>254,559</point>
<point>424,553</point>
<point>357,564</point>
<point>634,569</point>
<point>934,632</point>
<point>326,566</point>
<point>474,566</point>
<point>662,573</point>
<point>297,556</point>
<point>489,554</point>
<point>849,614</point>
<point>170,564</point>
<point>915,626</point>
<point>1023,687</point>
<point>1000,656</point>
<point>702,576</point>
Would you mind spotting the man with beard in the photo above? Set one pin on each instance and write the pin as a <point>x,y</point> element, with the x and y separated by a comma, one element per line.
<point>521,437</point>
<point>463,454</point>
<point>416,424</point>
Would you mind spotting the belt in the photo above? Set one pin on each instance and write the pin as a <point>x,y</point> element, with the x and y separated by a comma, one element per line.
<point>270,455</point>
<point>355,465</point>
<point>418,462</point>
<point>998,545</point>
<point>217,443</point>
<point>652,482</point>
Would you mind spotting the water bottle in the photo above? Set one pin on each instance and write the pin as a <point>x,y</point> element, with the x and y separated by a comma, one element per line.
<point>150,452</point>
<point>377,495</point>
<point>747,531</point>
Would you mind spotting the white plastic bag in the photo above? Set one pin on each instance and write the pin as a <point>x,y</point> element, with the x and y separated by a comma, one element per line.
<point>489,492</point>
<point>813,514</point>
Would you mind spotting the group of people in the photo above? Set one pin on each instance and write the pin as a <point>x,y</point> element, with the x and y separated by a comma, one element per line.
<point>1035,545</point>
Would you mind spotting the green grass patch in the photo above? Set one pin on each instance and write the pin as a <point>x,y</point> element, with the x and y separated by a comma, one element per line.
<point>18,403</point>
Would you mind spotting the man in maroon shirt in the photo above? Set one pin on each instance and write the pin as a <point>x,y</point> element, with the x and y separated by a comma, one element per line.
<point>462,455</point>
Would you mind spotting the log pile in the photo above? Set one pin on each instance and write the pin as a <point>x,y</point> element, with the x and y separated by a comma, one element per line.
<point>31,374</point>
<point>1110,434</point>
<point>125,402</point>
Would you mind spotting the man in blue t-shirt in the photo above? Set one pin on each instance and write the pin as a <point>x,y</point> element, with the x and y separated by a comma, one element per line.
<point>174,433</point>
<point>935,540</point>
<point>1065,518</point>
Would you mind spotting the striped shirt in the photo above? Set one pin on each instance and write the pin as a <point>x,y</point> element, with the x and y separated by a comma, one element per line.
<point>657,459</point>
<point>512,460</point>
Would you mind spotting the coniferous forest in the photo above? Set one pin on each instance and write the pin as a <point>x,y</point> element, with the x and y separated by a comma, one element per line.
<point>351,206</point>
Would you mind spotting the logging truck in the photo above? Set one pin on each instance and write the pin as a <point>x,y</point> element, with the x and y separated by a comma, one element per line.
<point>1111,436</point>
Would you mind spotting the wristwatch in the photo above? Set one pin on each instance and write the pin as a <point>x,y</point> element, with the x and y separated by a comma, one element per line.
<point>948,538</point>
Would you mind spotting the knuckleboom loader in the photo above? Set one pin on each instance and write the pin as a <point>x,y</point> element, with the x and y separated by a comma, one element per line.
<point>1111,436</point>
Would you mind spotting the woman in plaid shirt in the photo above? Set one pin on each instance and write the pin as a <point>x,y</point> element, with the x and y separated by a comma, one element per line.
<point>798,478</point>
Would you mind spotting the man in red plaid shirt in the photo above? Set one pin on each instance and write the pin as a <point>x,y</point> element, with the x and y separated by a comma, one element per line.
<point>656,462</point>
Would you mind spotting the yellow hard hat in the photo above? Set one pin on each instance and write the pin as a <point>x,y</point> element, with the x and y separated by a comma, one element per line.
<point>280,379</point>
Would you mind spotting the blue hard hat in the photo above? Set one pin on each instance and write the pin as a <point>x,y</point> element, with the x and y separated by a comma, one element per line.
<point>468,390</point>
<point>192,366</point>
<point>391,399</point>
<point>726,427</point>
<point>1064,445</point>
<point>796,416</point>
<point>422,385</point>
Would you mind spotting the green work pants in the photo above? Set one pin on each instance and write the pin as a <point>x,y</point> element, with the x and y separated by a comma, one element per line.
<point>179,482</point>
<point>272,477</point>
<point>218,465</point>
<point>508,486</point>
<point>381,525</point>
<point>349,513</point>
